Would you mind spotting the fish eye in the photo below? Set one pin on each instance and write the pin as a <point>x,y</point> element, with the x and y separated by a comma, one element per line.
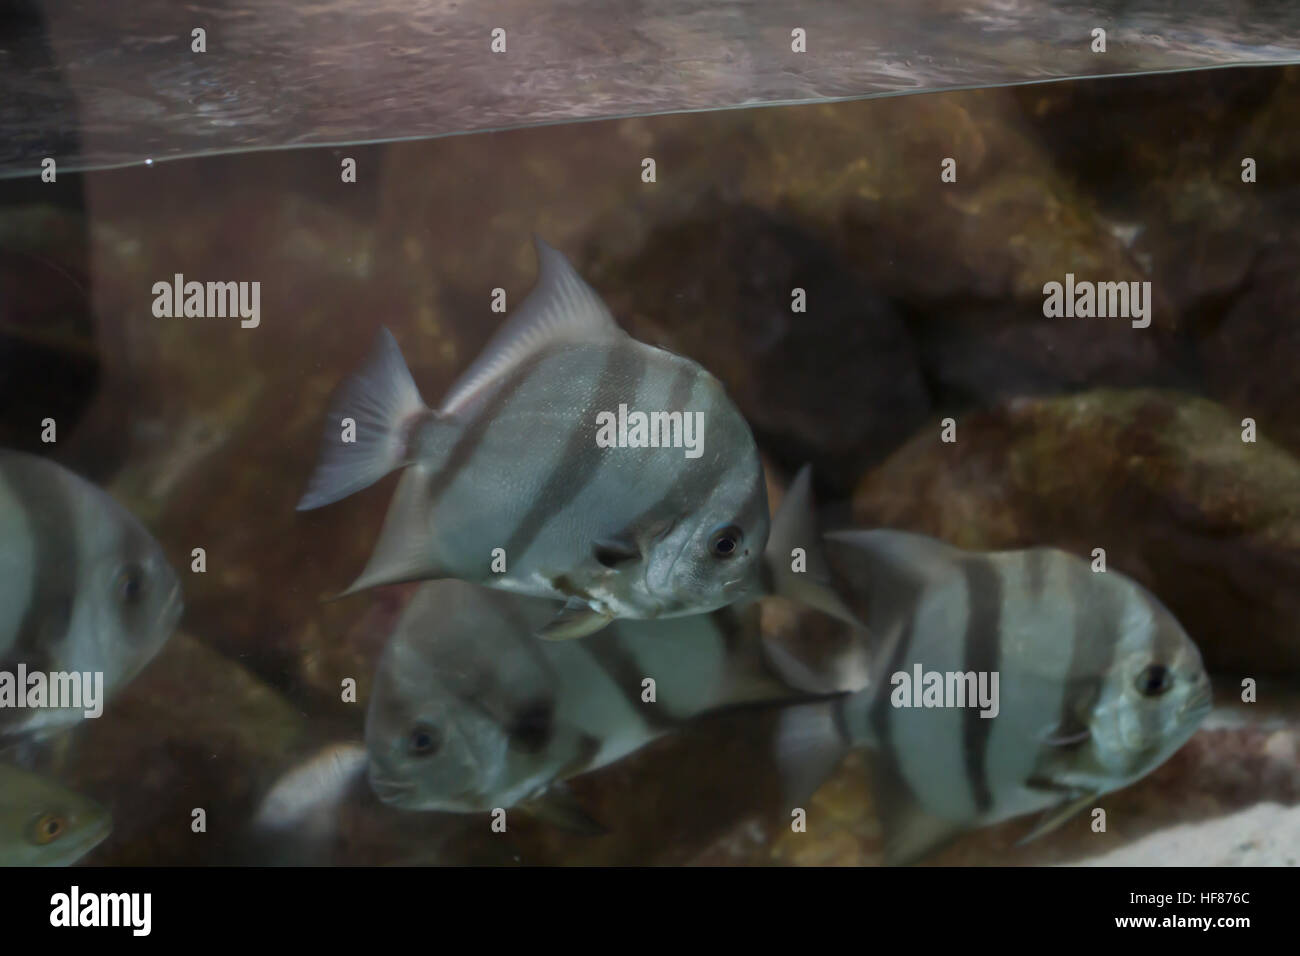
<point>130,584</point>
<point>725,541</point>
<point>423,741</point>
<point>47,828</point>
<point>1154,680</point>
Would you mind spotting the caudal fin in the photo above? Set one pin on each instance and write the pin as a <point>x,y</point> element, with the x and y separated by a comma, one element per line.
<point>382,404</point>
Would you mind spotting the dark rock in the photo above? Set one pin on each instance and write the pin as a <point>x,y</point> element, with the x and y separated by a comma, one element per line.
<point>840,382</point>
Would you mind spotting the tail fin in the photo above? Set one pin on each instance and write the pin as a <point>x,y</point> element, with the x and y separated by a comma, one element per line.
<point>795,527</point>
<point>384,403</point>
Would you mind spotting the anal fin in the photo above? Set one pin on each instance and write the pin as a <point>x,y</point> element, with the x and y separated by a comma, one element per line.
<point>576,619</point>
<point>403,552</point>
<point>909,831</point>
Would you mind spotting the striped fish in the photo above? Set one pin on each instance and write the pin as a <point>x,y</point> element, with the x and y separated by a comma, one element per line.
<point>44,824</point>
<point>1098,684</point>
<point>510,461</point>
<point>470,713</point>
<point>83,586</point>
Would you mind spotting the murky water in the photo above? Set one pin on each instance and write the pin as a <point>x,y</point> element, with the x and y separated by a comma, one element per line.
<point>868,280</point>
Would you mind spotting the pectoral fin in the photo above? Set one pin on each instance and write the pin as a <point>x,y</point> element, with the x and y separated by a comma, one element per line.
<point>1053,818</point>
<point>558,806</point>
<point>1066,737</point>
<point>576,619</point>
<point>613,552</point>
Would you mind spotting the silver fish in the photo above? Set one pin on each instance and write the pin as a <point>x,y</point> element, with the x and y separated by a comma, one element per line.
<point>510,460</point>
<point>309,793</point>
<point>84,587</point>
<point>1097,685</point>
<point>470,713</point>
<point>43,823</point>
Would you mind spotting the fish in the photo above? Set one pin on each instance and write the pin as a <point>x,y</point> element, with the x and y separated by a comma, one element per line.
<point>1097,684</point>
<point>84,588</point>
<point>469,713</point>
<point>42,823</point>
<point>513,460</point>
<point>301,819</point>
<point>308,794</point>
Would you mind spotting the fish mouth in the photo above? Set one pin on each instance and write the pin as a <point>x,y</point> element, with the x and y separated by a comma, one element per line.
<point>395,792</point>
<point>737,586</point>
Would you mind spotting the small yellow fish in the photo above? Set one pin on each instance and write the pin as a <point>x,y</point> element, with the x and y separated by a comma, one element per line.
<point>44,824</point>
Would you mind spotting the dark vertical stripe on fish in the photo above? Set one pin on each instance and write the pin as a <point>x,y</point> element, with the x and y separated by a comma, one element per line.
<point>1098,608</point>
<point>479,688</point>
<point>982,645</point>
<point>588,747</point>
<point>730,623</point>
<point>1166,641</point>
<point>622,668</point>
<point>679,393</point>
<point>55,565</point>
<point>891,781</point>
<point>620,377</point>
<point>531,727</point>
<point>462,452</point>
<point>1035,572</point>
<point>681,387</point>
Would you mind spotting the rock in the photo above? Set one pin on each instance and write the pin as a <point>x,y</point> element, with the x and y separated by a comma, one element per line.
<point>49,361</point>
<point>194,730</point>
<point>1249,357</point>
<point>735,318</point>
<point>1264,835</point>
<point>1162,481</point>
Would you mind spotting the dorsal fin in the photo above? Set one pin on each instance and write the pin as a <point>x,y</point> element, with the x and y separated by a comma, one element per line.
<point>913,556</point>
<point>795,526</point>
<point>560,308</point>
